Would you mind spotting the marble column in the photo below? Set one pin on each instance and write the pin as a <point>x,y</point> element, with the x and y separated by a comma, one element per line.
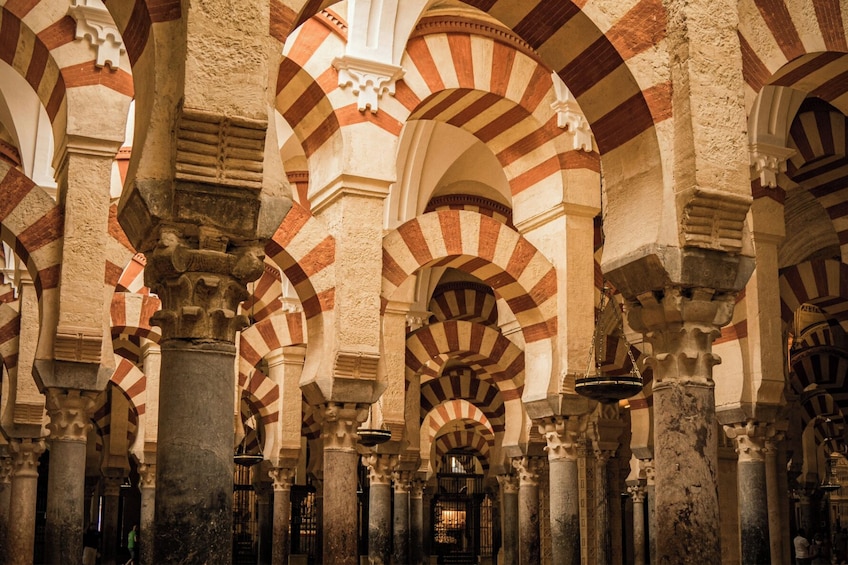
<point>380,469</point>
<point>650,492</point>
<point>340,506</point>
<point>416,522</point>
<point>282,477</point>
<point>21,533</point>
<point>265,525</point>
<point>680,324</point>
<point>319,518</point>
<point>509,515</point>
<point>529,539</point>
<point>147,488</point>
<point>70,420</point>
<point>602,511</point>
<point>6,468</point>
<point>637,494</point>
<point>401,518</point>
<point>111,540</point>
<point>750,439</point>
<point>774,499</point>
<point>561,435</point>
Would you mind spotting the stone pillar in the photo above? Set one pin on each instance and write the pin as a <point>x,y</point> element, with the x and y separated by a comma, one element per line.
<point>561,435</point>
<point>750,439</point>
<point>341,535</point>
<point>380,469</point>
<point>637,493</point>
<point>529,540</point>
<point>147,487</point>
<point>111,540</point>
<point>70,420</point>
<point>650,492</point>
<point>680,324</point>
<point>6,468</point>
<point>282,477</point>
<point>774,499</point>
<point>602,501</point>
<point>807,504</point>
<point>416,522</point>
<point>265,524</point>
<point>319,519</point>
<point>509,515</point>
<point>401,518</point>
<point>20,537</point>
<point>200,280</point>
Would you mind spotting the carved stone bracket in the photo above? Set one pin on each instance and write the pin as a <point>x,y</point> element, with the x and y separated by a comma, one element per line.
<point>70,414</point>
<point>95,23</point>
<point>681,324</point>
<point>356,365</point>
<point>339,423</point>
<point>768,161</point>
<point>146,476</point>
<point>562,435</point>
<point>751,438</point>
<point>25,454</point>
<point>529,469</point>
<point>381,467</point>
<point>570,116</point>
<point>201,285</point>
<point>509,483</point>
<point>282,477</point>
<point>368,80</point>
<point>713,219</point>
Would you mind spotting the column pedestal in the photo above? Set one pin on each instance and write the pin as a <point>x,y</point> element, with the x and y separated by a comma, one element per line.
<point>70,421</point>
<point>20,537</point>
<point>509,515</point>
<point>529,540</point>
<point>340,507</point>
<point>561,435</point>
<point>280,549</point>
<point>380,469</point>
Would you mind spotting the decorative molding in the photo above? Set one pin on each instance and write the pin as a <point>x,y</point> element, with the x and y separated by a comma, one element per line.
<point>369,79</point>
<point>77,344</point>
<point>70,414</point>
<point>570,116</point>
<point>768,161</point>
<point>220,150</point>
<point>713,219</point>
<point>356,364</point>
<point>457,24</point>
<point>95,23</point>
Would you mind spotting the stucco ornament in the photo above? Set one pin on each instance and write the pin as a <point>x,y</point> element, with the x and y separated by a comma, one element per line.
<point>95,23</point>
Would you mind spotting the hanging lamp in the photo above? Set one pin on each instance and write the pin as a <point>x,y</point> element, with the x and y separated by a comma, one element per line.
<point>831,480</point>
<point>370,437</point>
<point>595,384</point>
<point>245,456</point>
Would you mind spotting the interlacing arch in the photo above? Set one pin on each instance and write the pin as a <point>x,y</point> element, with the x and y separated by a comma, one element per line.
<point>132,381</point>
<point>481,247</point>
<point>820,409</point>
<point>10,332</point>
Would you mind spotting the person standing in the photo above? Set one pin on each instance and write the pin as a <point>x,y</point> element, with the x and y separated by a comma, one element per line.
<point>132,545</point>
<point>802,548</point>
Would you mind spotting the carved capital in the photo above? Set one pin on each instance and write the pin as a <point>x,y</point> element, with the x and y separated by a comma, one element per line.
<point>751,438</point>
<point>637,493</point>
<point>95,23</point>
<point>339,423</point>
<point>381,466</point>
<point>24,455</point>
<point>146,476</point>
<point>509,483</point>
<point>368,80</point>
<point>416,488</point>
<point>282,477</point>
<point>403,481</point>
<point>529,469</point>
<point>681,324</point>
<point>70,414</point>
<point>768,161</point>
<point>647,466</point>
<point>201,282</point>
<point>562,435</point>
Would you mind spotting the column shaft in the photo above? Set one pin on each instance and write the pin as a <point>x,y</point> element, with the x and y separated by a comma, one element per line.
<point>602,513</point>
<point>147,488</point>
<point>565,505</point>
<point>21,533</point>
<point>265,528</point>
<point>194,490</point>
<point>753,512</point>
<point>774,509</point>
<point>416,524</point>
<point>529,539</point>
<point>282,515</point>
<point>5,502</point>
<point>380,469</point>
<point>509,514</point>
<point>111,540</point>
<point>637,493</point>
<point>401,523</point>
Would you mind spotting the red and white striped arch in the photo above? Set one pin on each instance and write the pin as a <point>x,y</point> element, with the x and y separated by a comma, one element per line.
<point>827,418</point>
<point>451,411</point>
<point>471,440</point>
<point>130,315</point>
<point>823,283</point>
<point>485,248</point>
<point>265,293</point>
<point>428,348</point>
<point>10,332</point>
<point>464,300</point>
<point>799,48</point>
<point>464,383</point>
<point>130,379</point>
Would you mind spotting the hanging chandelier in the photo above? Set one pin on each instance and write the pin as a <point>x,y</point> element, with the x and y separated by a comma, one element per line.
<point>597,385</point>
<point>246,454</point>
<point>831,481</point>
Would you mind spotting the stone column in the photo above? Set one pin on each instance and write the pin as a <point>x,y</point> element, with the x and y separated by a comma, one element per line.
<point>340,512</point>
<point>529,540</point>
<point>282,477</point>
<point>680,324</point>
<point>750,439</point>
<point>200,280</point>
<point>637,493</point>
<point>509,515</point>
<point>561,435</point>
<point>265,525</point>
<point>416,522</point>
<point>6,468</point>
<point>319,519</point>
<point>774,499</point>
<point>70,420</point>
<point>111,540</point>
<point>650,492</point>
<point>807,503</point>
<point>147,487</point>
<point>20,537</point>
<point>602,512</point>
<point>401,518</point>
<point>380,469</point>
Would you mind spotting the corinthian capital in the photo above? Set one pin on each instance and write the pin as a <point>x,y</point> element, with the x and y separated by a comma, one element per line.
<point>70,414</point>
<point>562,434</point>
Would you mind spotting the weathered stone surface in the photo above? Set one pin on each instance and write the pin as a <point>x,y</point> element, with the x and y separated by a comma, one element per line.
<point>509,496</point>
